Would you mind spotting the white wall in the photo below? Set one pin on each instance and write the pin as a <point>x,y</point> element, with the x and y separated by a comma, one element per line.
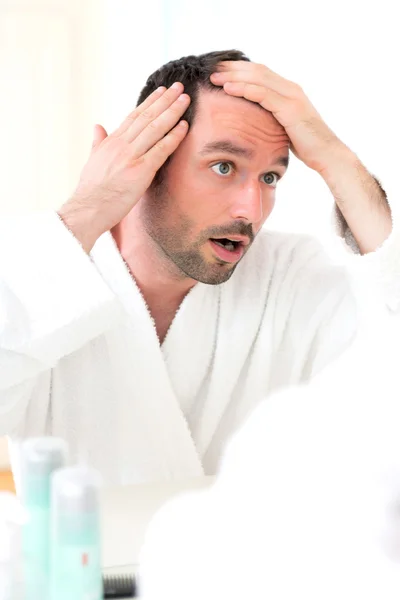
<point>133,49</point>
<point>49,54</point>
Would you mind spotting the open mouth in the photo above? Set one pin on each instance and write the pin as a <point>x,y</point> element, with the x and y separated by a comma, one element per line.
<point>226,243</point>
<point>227,250</point>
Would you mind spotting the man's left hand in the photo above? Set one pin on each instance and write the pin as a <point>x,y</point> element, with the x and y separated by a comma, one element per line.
<point>312,141</point>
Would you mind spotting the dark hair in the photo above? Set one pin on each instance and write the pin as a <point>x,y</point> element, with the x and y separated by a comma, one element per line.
<point>194,72</point>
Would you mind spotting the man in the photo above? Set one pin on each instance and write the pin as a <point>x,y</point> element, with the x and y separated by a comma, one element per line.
<point>148,353</point>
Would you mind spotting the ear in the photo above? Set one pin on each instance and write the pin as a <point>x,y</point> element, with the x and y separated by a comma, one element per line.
<point>99,134</point>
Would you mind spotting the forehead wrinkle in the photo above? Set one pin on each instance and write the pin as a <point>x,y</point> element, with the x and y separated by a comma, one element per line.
<point>248,128</point>
<point>218,108</point>
<point>226,145</point>
<point>253,138</point>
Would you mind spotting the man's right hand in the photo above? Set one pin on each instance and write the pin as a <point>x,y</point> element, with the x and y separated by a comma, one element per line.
<point>122,165</point>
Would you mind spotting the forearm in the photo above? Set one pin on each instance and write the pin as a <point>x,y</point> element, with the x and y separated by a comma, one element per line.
<point>360,198</point>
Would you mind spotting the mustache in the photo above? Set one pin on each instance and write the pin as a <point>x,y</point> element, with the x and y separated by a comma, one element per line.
<point>237,228</point>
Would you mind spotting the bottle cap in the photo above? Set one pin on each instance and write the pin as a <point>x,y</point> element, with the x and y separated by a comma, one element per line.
<point>76,490</point>
<point>40,456</point>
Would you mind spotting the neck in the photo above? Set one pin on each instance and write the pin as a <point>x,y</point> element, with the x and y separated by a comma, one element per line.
<point>162,284</point>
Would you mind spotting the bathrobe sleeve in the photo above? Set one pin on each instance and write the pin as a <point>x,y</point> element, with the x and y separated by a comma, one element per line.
<point>376,273</point>
<point>328,293</point>
<point>372,291</point>
<point>52,302</point>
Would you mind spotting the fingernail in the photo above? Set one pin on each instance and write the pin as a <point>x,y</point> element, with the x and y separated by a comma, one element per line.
<point>176,85</point>
<point>183,98</point>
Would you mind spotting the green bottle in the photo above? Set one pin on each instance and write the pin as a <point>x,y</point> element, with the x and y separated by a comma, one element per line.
<point>75,535</point>
<point>39,458</point>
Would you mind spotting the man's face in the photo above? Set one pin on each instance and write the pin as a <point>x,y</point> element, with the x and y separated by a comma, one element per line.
<point>220,183</point>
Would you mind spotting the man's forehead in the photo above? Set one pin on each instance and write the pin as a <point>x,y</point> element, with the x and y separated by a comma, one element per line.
<point>217,103</point>
<point>220,116</point>
<point>217,110</point>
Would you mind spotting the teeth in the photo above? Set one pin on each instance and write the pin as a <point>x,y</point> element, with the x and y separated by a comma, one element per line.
<point>229,246</point>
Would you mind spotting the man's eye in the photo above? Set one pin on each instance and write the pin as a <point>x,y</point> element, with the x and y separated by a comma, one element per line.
<point>222,168</point>
<point>268,178</point>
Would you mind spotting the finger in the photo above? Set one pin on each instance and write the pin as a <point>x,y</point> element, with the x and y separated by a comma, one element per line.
<point>158,154</point>
<point>138,110</point>
<point>257,77</point>
<point>268,99</point>
<point>99,134</point>
<point>242,65</point>
<point>147,117</point>
<point>235,65</point>
<point>158,128</point>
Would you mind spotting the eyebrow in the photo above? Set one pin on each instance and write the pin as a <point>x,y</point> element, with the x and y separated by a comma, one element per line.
<point>231,148</point>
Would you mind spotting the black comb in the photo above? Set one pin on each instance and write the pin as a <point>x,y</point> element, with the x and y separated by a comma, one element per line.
<point>119,586</point>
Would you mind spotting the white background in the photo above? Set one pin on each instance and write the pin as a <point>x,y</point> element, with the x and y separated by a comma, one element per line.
<point>67,64</point>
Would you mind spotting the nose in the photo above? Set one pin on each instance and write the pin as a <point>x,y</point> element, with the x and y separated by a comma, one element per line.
<point>248,204</point>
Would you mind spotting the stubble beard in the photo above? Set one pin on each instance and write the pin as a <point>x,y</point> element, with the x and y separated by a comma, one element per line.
<point>173,242</point>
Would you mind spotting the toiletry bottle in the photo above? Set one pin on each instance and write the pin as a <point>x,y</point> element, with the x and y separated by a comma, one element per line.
<point>12,518</point>
<point>75,535</point>
<point>39,458</point>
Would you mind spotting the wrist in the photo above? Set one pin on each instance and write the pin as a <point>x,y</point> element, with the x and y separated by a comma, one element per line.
<point>82,222</point>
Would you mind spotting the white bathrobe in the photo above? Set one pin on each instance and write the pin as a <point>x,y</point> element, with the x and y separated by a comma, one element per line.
<point>80,357</point>
<point>306,503</point>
